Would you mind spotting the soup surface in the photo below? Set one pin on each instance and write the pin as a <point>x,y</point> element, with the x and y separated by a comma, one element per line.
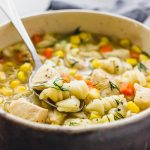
<point>92,79</point>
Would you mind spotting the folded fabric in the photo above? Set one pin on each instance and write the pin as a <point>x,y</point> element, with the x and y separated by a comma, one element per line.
<point>136,9</point>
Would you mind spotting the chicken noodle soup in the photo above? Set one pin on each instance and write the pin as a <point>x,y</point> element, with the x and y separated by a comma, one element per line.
<point>111,77</point>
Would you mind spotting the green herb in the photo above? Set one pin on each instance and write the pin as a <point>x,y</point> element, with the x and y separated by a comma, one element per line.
<point>142,67</point>
<point>73,124</point>
<point>74,62</point>
<point>113,86</point>
<point>117,101</point>
<point>60,87</point>
<point>146,54</point>
<point>108,118</point>
<point>77,30</point>
<point>119,115</point>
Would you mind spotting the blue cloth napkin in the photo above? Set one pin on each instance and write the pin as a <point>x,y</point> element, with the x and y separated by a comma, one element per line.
<point>135,9</point>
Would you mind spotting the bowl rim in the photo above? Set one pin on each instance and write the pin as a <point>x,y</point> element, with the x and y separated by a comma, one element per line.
<point>46,127</point>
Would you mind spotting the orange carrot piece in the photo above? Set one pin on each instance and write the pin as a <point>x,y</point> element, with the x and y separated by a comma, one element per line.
<point>48,52</point>
<point>106,48</point>
<point>127,89</point>
<point>78,77</point>
<point>89,83</point>
<point>134,55</point>
<point>36,38</point>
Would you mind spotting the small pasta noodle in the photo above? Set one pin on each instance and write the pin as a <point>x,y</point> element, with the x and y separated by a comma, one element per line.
<point>71,104</point>
<point>56,92</point>
<point>134,76</point>
<point>102,80</point>
<point>78,89</point>
<point>105,104</point>
<point>114,65</point>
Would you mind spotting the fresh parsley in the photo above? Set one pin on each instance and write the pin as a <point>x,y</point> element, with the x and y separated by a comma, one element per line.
<point>113,86</point>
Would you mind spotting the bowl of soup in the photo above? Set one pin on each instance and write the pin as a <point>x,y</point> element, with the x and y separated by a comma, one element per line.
<point>96,73</point>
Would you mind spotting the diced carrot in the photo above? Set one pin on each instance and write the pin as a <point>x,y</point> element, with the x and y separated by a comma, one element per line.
<point>36,38</point>
<point>134,55</point>
<point>78,77</point>
<point>89,83</point>
<point>66,77</point>
<point>48,53</point>
<point>127,89</point>
<point>20,57</point>
<point>2,60</point>
<point>106,48</point>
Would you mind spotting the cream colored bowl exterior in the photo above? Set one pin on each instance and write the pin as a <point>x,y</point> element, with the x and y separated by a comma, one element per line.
<point>64,22</point>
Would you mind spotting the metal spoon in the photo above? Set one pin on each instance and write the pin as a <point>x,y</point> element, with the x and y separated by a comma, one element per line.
<point>9,9</point>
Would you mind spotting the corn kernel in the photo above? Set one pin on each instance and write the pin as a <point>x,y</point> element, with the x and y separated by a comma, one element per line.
<point>125,43</point>
<point>94,115</point>
<point>148,78</point>
<point>59,54</point>
<point>21,76</point>
<point>2,76</point>
<point>103,41</point>
<point>74,45</point>
<point>148,85</point>
<point>14,83</point>
<point>75,39</point>
<point>135,48</point>
<point>72,72</point>
<point>131,61</point>
<point>133,107</point>
<point>143,57</point>
<point>93,94</point>
<point>6,91</point>
<point>85,36</point>
<point>20,89</point>
<point>26,67</point>
<point>95,63</point>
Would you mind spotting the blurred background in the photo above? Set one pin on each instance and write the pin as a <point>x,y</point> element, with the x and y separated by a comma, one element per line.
<point>136,9</point>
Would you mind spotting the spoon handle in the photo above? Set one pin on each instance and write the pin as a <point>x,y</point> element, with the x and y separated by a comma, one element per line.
<point>9,9</point>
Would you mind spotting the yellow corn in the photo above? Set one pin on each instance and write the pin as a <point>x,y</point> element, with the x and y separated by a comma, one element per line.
<point>74,45</point>
<point>72,72</point>
<point>103,41</point>
<point>59,54</point>
<point>21,76</point>
<point>14,83</point>
<point>125,42</point>
<point>75,39</point>
<point>6,91</point>
<point>148,78</point>
<point>148,85</point>
<point>135,48</point>
<point>93,94</point>
<point>94,115</point>
<point>85,36</point>
<point>26,67</point>
<point>143,57</point>
<point>20,89</point>
<point>132,61</point>
<point>95,63</point>
<point>133,107</point>
<point>2,76</point>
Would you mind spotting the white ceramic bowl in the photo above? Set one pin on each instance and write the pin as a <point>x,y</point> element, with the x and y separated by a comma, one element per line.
<point>17,133</point>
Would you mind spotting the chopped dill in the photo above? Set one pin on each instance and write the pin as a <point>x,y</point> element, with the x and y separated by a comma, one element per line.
<point>74,62</point>
<point>108,118</point>
<point>60,87</point>
<point>73,124</point>
<point>142,67</point>
<point>77,30</point>
<point>113,86</point>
